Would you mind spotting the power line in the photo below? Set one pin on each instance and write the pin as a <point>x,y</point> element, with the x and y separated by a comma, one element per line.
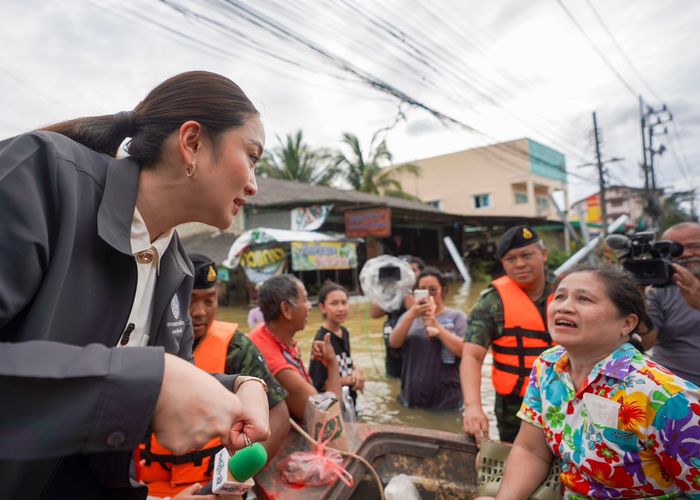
<point>266,22</point>
<point>598,51</point>
<point>235,10</point>
<point>622,52</point>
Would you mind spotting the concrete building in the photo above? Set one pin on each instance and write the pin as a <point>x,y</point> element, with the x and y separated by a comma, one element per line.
<point>619,200</point>
<point>513,178</point>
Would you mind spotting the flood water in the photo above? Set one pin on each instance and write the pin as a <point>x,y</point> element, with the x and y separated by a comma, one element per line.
<point>379,402</point>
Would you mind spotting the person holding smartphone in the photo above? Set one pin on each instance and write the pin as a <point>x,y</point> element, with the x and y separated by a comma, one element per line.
<point>431,336</point>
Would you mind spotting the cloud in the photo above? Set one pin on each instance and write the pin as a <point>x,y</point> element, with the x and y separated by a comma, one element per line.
<point>423,126</point>
<point>509,69</point>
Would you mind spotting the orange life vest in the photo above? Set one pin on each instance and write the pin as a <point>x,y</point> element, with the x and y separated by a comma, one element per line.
<point>164,473</point>
<point>524,338</point>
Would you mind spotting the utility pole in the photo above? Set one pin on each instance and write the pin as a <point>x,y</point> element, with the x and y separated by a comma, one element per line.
<point>654,204</point>
<point>645,165</point>
<point>601,179</point>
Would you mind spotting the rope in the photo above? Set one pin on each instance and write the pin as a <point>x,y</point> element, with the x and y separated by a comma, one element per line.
<point>370,349</point>
<point>345,453</point>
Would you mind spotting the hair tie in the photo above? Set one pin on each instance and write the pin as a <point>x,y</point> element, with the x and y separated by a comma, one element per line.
<point>124,123</point>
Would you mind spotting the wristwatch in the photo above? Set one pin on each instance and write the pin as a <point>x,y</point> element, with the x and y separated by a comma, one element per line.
<point>242,379</point>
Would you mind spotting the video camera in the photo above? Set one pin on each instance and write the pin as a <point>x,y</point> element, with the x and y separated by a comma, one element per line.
<point>389,273</point>
<point>385,280</point>
<point>648,260</point>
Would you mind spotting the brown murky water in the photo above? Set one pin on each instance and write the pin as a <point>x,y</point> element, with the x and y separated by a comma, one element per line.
<point>378,403</point>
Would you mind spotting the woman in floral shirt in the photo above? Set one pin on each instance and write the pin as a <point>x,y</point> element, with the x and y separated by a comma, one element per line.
<point>623,426</point>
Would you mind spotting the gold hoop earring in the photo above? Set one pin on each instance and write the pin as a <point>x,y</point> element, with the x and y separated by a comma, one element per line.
<point>191,170</point>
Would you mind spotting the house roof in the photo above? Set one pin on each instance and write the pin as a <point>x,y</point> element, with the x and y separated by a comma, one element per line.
<point>282,193</point>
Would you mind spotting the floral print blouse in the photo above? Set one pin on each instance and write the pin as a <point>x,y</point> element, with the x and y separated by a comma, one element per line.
<point>632,431</point>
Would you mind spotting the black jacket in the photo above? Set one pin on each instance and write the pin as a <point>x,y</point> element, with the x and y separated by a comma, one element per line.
<point>74,406</point>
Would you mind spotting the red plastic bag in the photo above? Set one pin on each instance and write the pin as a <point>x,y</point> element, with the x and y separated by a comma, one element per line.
<point>315,468</point>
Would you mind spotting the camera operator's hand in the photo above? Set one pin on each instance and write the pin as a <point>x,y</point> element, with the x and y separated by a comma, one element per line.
<point>688,284</point>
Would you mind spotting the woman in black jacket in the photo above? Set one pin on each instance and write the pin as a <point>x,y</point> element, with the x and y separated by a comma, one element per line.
<point>94,287</point>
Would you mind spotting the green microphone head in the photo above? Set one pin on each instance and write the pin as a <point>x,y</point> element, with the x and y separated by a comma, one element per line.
<point>247,462</point>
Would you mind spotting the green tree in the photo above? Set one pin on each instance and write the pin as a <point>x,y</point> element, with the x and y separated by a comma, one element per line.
<point>294,160</point>
<point>365,170</point>
<point>672,212</point>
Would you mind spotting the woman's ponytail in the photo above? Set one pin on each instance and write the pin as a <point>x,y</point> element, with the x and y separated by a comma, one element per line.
<point>212,100</point>
<point>103,134</point>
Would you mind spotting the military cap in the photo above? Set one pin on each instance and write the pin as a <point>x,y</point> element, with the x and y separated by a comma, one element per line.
<point>204,271</point>
<point>516,237</point>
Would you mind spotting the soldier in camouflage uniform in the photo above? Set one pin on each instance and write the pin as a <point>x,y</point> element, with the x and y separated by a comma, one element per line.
<point>183,479</point>
<point>523,257</point>
<point>242,357</point>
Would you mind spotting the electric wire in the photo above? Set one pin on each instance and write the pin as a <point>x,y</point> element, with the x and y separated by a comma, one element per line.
<point>622,52</point>
<point>235,9</point>
<point>597,50</point>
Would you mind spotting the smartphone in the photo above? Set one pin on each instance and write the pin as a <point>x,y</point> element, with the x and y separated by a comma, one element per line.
<point>420,295</point>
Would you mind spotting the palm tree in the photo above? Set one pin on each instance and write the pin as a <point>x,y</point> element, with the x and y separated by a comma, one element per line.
<point>294,160</point>
<point>364,172</point>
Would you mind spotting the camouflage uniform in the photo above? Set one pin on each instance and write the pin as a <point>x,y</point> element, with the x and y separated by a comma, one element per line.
<point>244,358</point>
<point>486,325</point>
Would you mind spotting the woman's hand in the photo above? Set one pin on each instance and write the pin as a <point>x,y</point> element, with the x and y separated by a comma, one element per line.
<point>193,407</point>
<point>431,324</point>
<point>254,423</point>
<point>421,308</point>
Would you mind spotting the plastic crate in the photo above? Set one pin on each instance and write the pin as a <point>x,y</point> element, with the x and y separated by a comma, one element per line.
<point>492,463</point>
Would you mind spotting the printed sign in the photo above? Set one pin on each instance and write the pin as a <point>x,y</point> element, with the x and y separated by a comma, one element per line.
<point>323,255</point>
<point>594,215</point>
<point>309,218</point>
<point>261,264</point>
<point>371,222</point>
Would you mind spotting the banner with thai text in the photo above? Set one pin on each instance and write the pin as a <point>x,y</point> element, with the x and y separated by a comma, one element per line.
<point>315,256</point>
<point>263,263</point>
<point>309,218</point>
<point>370,222</point>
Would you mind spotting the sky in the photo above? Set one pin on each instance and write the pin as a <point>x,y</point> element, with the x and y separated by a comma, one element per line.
<point>493,71</point>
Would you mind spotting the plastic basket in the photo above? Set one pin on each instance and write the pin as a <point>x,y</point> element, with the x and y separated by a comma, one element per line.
<point>492,462</point>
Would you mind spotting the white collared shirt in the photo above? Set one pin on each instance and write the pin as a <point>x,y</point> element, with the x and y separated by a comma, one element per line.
<point>147,256</point>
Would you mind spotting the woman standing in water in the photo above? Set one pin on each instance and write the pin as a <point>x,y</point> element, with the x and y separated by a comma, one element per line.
<point>94,287</point>
<point>430,334</point>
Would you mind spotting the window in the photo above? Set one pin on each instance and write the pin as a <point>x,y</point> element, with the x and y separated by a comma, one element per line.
<point>435,203</point>
<point>617,202</point>
<point>482,200</point>
<point>520,198</point>
<point>542,204</point>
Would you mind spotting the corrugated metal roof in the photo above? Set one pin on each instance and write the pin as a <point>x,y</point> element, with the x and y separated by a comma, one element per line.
<point>282,193</point>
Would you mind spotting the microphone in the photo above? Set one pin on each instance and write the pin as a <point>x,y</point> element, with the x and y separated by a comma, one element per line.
<point>247,462</point>
<point>618,242</point>
<point>233,475</point>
